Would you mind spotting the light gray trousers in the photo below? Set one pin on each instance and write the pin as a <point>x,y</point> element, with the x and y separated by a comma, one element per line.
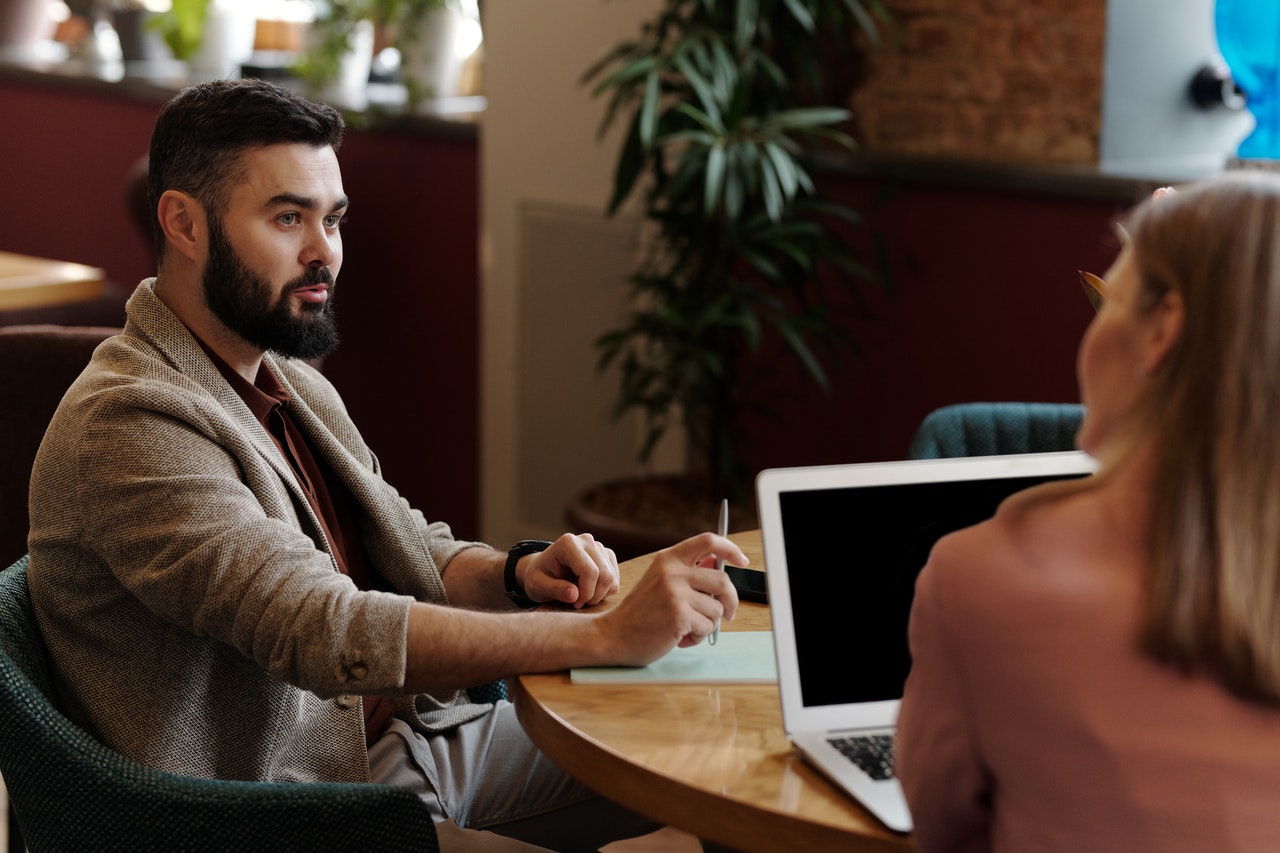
<point>489,788</point>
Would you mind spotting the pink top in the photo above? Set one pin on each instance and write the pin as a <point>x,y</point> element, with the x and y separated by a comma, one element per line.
<point>1031,721</point>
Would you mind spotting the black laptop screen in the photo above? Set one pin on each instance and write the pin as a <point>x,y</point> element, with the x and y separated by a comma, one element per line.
<point>852,558</point>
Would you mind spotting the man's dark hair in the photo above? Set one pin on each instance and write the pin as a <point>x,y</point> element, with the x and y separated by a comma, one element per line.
<point>200,134</point>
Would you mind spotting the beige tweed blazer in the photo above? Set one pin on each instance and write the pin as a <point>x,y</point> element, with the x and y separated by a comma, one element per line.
<point>195,614</point>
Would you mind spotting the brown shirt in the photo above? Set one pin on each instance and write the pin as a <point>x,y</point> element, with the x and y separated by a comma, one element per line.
<point>330,500</point>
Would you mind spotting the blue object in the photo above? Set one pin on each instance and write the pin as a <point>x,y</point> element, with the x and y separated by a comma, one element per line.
<point>996,429</point>
<point>1249,39</point>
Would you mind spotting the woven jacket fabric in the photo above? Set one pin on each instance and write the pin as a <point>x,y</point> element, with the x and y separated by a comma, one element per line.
<point>70,792</point>
<point>196,618</point>
<point>996,429</point>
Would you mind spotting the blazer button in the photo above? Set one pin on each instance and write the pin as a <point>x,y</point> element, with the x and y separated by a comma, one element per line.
<point>346,700</point>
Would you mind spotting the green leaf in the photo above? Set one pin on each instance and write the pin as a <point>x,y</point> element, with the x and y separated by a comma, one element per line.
<point>734,192</point>
<point>832,209</point>
<point>805,355</point>
<point>724,70</point>
<point>649,109</point>
<point>865,22</point>
<point>772,190</point>
<point>706,96</point>
<point>802,14</point>
<point>748,14</point>
<point>760,262</point>
<point>715,178</point>
<point>611,56</point>
<point>697,137</point>
<point>785,167</point>
<point>805,118</point>
<point>708,122</point>
<point>839,138</point>
<point>629,73</point>
<point>182,26</point>
<point>630,164</point>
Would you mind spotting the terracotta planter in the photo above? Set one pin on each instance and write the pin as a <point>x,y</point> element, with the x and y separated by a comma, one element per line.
<point>640,515</point>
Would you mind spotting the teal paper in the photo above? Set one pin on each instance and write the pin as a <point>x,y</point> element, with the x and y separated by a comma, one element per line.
<point>739,657</point>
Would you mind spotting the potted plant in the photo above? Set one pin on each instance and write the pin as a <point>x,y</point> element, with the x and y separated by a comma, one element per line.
<point>182,27</point>
<point>139,40</point>
<point>331,39</point>
<point>213,37</point>
<point>416,27</point>
<point>727,103</point>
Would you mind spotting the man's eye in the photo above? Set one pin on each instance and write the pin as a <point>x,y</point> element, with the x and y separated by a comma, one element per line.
<point>335,220</point>
<point>289,219</point>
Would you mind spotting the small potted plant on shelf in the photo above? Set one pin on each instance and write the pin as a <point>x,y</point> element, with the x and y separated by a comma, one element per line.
<point>727,103</point>
<point>182,27</point>
<point>413,26</point>
<point>213,37</point>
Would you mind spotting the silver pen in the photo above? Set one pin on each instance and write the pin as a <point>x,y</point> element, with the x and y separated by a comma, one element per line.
<point>723,530</point>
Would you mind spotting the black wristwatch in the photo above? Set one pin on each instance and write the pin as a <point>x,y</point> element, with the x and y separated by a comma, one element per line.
<point>515,591</point>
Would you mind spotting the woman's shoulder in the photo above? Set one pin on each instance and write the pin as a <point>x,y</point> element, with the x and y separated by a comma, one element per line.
<point>1057,524</point>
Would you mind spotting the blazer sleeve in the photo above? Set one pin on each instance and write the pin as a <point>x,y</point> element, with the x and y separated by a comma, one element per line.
<point>194,520</point>
<point>938,757</point>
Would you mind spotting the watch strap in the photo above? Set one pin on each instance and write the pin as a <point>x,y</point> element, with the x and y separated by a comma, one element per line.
<point>515,591</point>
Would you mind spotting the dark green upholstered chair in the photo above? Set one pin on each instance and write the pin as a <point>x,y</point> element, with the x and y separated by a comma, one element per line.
<point>996,429</point>
<point>70,792</point>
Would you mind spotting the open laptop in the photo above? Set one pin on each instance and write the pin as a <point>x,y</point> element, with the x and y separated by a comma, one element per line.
<point>842,547</point>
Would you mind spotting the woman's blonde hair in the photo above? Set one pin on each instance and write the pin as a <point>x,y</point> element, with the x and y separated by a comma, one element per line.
<point>1212,415</point>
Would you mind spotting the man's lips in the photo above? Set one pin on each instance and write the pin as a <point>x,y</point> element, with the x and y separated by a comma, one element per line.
<point>312,292</point>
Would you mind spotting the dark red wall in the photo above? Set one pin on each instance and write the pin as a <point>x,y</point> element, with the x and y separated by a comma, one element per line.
<point>408,312</point>
<point>408,295</point>
<point>66,158</point>
<point>987,306</point>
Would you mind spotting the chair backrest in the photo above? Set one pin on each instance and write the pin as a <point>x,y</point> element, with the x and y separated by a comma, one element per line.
<point>37,365</point>
<point>71,792</point>
<point>996,429</point>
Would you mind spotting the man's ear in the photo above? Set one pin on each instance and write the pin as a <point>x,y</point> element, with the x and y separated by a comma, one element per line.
<point>1164,330</point>
<point>182,220</point>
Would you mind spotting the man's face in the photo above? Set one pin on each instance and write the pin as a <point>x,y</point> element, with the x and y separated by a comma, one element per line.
<point>274,253</point>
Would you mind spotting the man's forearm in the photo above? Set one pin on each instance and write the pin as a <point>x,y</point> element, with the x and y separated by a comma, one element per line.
<point>473,578</point>
<point>451,647</point>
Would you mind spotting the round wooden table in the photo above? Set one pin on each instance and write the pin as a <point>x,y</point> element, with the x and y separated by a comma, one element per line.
<point>28,282</point>
<point>711,759</point>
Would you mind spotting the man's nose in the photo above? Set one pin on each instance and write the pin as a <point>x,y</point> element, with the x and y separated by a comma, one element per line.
<point>322,248</point>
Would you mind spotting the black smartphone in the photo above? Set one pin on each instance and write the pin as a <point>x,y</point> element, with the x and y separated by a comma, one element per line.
<point>749,583</point>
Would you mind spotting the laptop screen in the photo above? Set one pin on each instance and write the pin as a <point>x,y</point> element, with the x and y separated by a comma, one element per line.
<point>852,556</point>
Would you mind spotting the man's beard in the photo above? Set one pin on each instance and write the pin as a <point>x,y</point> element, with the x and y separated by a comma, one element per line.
<point>242,300</point>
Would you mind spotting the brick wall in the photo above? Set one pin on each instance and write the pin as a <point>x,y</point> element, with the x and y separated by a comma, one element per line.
<point>989,80</point>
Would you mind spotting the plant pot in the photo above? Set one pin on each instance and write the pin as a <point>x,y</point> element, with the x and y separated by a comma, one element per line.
<point>25,22</point>
<point>639,515</point>
<point>24,25</point>
<point>226,42</point>
<point>350,90</point>
<point>138,42</point>
<point>431,64</point>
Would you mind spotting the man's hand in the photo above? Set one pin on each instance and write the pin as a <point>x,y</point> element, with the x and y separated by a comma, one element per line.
<point>575,570</point>
<point>676,602</point>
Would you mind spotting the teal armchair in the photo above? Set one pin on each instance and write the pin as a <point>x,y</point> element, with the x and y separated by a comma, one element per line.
<point>996,429</point>
<point>70,792</point>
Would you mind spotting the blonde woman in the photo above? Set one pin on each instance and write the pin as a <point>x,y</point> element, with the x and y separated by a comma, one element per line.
<point>1098,667</point>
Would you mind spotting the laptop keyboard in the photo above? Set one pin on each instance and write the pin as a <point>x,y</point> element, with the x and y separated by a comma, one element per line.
<point>872,753</point>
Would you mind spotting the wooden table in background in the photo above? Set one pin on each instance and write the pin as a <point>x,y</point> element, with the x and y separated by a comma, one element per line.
<point>711,759</point>
<point>29,282</point>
